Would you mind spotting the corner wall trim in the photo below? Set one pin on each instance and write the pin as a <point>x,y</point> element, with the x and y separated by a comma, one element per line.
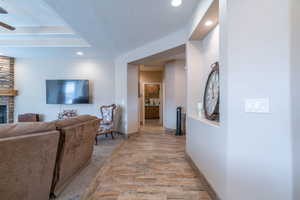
<point>202,178</point>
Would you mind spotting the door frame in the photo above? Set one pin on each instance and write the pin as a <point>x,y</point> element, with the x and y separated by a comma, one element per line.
<point>160,99</point>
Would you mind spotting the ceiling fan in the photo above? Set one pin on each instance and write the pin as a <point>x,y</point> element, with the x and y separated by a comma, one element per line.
<point>9,27</point>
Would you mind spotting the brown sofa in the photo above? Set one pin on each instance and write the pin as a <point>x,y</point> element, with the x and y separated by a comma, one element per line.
<point>39,159</point>
<point>27,158</point>
<point>75,148</point>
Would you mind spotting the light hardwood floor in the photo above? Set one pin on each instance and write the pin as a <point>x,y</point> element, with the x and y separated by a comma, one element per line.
<point>148,166</point>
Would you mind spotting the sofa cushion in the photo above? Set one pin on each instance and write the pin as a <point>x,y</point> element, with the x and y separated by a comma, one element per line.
<point>12,130</point>
<point>74,120</point>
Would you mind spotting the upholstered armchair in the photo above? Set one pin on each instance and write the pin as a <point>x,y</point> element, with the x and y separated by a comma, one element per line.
<point>110,120</point>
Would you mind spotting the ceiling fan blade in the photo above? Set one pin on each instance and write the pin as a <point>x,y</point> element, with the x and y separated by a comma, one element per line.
<point>11,28</point>
<point>3,11</point>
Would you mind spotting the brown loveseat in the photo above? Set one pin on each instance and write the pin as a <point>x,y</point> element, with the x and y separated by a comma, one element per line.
<point>37,159</point>
<point>27,159</point>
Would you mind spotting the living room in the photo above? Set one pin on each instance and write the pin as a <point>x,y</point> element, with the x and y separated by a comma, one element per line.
<point>242,110</point>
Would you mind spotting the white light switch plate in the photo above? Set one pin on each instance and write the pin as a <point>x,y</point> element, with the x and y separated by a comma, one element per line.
<point>261,105</point>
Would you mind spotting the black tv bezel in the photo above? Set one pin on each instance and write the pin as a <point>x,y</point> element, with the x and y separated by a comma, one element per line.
<point>89,96</point>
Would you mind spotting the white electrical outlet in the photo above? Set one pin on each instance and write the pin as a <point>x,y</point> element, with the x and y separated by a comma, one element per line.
<point>261,105</point>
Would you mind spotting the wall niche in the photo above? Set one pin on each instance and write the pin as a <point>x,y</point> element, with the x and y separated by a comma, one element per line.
<point>203,54</point>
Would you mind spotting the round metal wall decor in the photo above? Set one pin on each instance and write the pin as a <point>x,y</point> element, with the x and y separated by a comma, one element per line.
<point>212,94</point>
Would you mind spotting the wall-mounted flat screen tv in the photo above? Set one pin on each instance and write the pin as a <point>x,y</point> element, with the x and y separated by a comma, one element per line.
<point>67,91</point>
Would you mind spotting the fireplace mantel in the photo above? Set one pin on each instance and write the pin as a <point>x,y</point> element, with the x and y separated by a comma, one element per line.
<point>8,93</point>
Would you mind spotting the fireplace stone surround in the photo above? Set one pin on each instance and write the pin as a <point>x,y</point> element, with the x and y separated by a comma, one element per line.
<point>7,84</point>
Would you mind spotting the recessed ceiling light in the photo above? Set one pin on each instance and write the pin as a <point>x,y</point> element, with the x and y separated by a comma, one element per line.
<point>79,53</point>
<point>176,3</point>
<point>208,23</point>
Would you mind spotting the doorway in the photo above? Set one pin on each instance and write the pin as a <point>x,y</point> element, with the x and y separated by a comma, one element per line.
<point>164,75</point>
<point>152,104</point>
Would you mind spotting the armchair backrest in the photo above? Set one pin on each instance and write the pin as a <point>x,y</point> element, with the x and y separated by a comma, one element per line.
<point>107,113</point>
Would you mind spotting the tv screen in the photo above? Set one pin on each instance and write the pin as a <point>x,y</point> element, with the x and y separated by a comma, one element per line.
<point>67,91</point>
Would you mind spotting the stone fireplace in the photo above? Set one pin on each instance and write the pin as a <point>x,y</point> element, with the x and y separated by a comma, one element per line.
<point>7,92</point>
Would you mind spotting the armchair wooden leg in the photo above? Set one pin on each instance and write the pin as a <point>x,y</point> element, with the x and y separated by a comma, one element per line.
<point>119,133</point>
<point>96,140</point>
<point>112,135</point>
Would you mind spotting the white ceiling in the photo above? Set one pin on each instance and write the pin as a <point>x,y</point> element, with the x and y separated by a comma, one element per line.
<point>40,31</point>
<point>160,59</point>
<point>29,13</point>
<point>109,26</point>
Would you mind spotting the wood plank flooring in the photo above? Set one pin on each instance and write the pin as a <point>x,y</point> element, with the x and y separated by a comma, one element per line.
<point>148,166</point>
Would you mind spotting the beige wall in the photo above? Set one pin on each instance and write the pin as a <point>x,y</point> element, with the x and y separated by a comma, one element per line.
<point>149,76</point>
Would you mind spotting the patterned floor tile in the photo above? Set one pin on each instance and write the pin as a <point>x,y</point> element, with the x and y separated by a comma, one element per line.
<point>148,166</point>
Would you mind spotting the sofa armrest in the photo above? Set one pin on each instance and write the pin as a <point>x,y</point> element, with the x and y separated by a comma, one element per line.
<point>27,165</point>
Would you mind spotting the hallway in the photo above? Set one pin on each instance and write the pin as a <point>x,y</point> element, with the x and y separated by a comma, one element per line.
<point>148,166</point>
